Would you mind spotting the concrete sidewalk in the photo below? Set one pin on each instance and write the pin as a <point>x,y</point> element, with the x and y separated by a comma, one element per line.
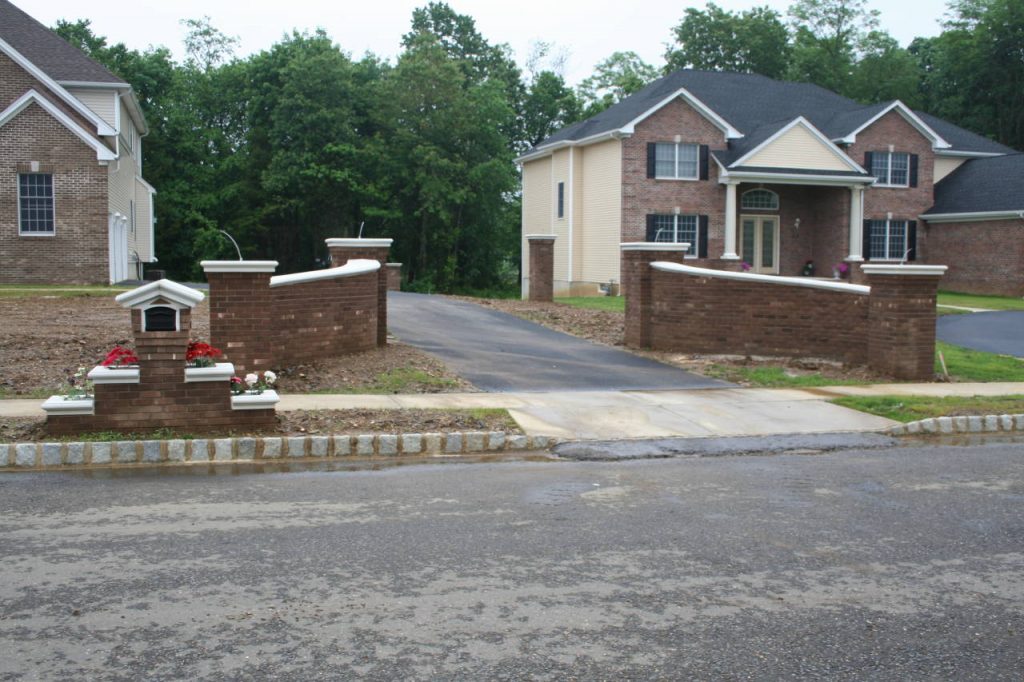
<point>611,415</point>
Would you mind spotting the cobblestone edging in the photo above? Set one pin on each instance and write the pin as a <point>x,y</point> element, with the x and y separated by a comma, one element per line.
<point>56,454</point>
<point>939,425</point>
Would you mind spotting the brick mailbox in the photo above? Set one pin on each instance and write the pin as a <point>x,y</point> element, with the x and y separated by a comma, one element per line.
<point>344,250</point>
<point>542,267</point>
<point>161,391</point>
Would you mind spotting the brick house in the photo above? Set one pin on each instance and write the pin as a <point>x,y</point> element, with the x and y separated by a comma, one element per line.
<point>771,174</point>
<point>74,207</point>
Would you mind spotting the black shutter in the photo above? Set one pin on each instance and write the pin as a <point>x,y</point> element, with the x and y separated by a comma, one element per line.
<point>912,240</point>
<point>866,241</point>
<point>651,151</point>
<point>703,162</point>
<point>868,162</point>
<point>702,236</point>
<point>651,228</point>
<point>561,200</point>
<point>913,170</point>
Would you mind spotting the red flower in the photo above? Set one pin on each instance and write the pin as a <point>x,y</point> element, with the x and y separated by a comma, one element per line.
<point>198,349</point>
<point>119,357</point>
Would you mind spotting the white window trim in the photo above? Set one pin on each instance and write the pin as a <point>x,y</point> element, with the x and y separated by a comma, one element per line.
<point>676,145</point>
<point>694,243</point>
<point>759,208</point>
<point>888,166</point>
<point>53,187</point>
<point>888,232</point>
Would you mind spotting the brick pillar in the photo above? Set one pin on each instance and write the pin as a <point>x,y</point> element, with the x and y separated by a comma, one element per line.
<point>394,276</point>
<point>901,319</point>
<point>240,312</point>
<point>636,285</point>
<point>542,267</point>
<point>344,250</point>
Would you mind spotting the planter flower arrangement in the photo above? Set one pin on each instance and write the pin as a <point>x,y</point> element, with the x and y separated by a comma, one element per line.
<point>840,270</point>
<point>79,386</point>
<point>201,354</point>
<point>120,356</point>
<point>253,384</point>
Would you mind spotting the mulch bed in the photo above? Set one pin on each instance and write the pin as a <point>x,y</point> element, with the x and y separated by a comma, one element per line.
<point>302,423</point>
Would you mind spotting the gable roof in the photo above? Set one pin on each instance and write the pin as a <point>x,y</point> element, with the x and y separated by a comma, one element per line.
<point>982,186</point>
<point>103,153</point>
<point>748,102</point>
<point>161,289</point>
<point>57,58</point>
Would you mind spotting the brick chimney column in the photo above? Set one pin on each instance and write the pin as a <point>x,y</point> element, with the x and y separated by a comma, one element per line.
<point>344,250</point>
<point>637,276</point>
<point>240,312</point>
<point>542,267</point>
<point>901,319</point>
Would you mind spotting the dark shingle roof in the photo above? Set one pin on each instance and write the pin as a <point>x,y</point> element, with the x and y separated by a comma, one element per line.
<point>748,101</point>
<point>982,185</point>
<point>57,58</point>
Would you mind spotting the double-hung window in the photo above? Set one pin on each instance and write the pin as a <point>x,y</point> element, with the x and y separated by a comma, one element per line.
<point>887,239</point>
<point>35,204</point>
<point>677,229</point>
<point>676,160</point>
<point>891,169</point>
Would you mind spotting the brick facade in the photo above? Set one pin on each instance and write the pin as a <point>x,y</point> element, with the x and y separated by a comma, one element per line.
<point>344,250</point>
<point>542,268</point>
<point>637,287</point>
<point>901,329</point>
<point>984,257</point>
<point>240,310</point>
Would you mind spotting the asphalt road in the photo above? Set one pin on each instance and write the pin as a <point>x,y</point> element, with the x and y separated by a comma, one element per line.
<point>500,352</point>
<point>996,332</point>
<point>871,564</point>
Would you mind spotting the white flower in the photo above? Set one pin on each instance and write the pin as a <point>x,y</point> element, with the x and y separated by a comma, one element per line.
<point>251,379</point>
<point>269,377</point>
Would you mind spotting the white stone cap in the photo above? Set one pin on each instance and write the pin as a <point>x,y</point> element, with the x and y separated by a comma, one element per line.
<point>221,371</point>
<point>162,288</point>
<point>359,266</point>
<point>654,246</point>
<point>113,375</point>
<point>394,265</point>
<point>358,242</point>
<point>539,237</point>
<point>807,282</point>
<point>909,270</point>
<point>58,404</point>
<point>239,265</point>
<point>254,401</point>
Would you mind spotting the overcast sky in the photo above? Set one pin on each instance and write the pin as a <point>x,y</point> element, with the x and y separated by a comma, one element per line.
<point>587,30</point>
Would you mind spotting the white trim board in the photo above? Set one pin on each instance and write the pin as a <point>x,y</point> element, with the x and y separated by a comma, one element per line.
<point>815,133</point>
<point>913,119</point>
<point>103,153</point>
<point>976,216</point>
<point>703,109</point>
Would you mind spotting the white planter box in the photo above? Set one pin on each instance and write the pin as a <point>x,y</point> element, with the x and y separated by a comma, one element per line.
<point>222,371</point>
<point>114,375</point>
<point>59,405</point>
<point>250,401</point>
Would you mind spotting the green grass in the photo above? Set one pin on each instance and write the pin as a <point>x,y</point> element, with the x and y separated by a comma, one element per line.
<point>57,290</point>
<point>774,376</point>
<point>40,393</point>
<point>112,436</point>
<point>398,380</point>
<point>911,408</point>
<point>615,304</point>
<point>979,301</point>
<point>975,365</point>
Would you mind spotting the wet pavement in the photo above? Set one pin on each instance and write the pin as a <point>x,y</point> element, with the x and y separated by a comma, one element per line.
<point>881,563</point>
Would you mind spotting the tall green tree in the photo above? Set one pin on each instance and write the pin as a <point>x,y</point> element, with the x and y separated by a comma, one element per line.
<point>614,79</point>
<point>714,39</point>
<point>827,37</point>
<point>884,72</point>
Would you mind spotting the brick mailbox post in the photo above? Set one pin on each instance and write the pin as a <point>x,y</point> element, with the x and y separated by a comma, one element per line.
<point>636,285</point>
<point>344,250</point>
<point>901,330</point>
<point>240,311</point>
<point>542,267</point>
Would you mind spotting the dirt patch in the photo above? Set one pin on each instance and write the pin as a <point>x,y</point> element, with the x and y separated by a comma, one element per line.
<point>298,423</point>
<point>603,326</point>
<point>44,339</point>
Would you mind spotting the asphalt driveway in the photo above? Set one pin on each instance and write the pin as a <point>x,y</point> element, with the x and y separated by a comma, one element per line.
<point>995,332</point>
<point>500,352</point>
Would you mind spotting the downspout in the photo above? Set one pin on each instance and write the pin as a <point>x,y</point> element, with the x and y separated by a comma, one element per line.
<point>571,207</point>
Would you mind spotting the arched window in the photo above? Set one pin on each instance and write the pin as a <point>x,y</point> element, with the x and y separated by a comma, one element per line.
<point>760,199</point>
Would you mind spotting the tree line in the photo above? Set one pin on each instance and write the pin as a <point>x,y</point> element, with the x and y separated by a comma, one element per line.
<point>301,142</point>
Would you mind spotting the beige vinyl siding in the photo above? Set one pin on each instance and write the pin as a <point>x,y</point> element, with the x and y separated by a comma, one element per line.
<point>144,222</point>
<point>797,148</point>
<point>600,229</point>
<point>560,226</point>
<point>944,165</point>
<point>536,205</point>
<point>101,102</point>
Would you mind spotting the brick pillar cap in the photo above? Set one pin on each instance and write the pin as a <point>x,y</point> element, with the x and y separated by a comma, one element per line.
<point>905,270</point>
<point>394,265</point>
<point>541,237</point>
<point>239,265</point>
<point>654,246</point>
<point>358,243</point>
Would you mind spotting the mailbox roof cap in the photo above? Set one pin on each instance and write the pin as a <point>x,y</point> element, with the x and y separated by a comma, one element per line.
<point>161,289</point>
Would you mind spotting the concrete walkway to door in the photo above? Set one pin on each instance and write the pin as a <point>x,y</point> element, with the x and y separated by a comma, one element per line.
<point>499,352</point>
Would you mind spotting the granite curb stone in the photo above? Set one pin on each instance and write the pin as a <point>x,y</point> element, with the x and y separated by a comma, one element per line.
<point>992,423</point>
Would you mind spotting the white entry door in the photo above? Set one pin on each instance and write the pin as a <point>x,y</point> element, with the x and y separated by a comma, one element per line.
<point>760,243</point>
<point>118,249</point>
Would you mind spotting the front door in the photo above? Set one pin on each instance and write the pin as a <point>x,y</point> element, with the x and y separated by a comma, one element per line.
<point>760,243</point>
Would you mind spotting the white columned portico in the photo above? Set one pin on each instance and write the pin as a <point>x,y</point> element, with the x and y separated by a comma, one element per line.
<point>856,224</point>
<point>730,222</point>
